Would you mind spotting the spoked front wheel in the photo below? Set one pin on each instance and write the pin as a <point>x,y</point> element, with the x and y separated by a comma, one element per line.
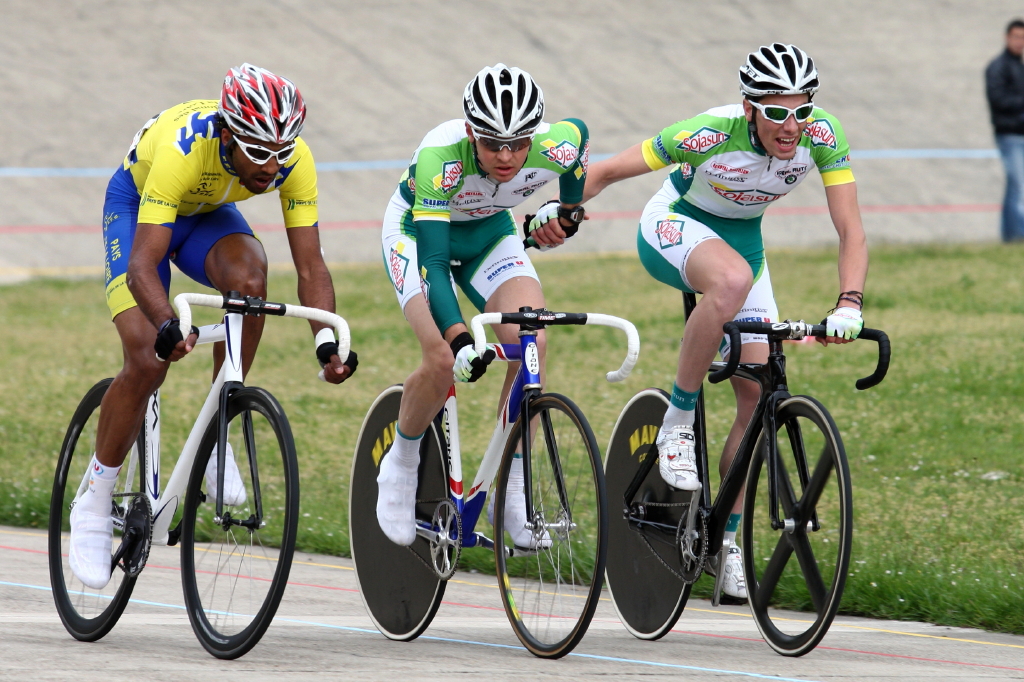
<point>87,613</point>
<point>550,568</point>
<point>234,569</point>
<point>803,565</point>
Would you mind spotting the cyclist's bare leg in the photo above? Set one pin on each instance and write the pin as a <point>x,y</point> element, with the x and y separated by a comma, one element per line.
<point>427,387</point>
<point>747,394</point>
<point>717,270</point>
<point>238,262</point>
<point>124,403</point>
<point>510,297</point>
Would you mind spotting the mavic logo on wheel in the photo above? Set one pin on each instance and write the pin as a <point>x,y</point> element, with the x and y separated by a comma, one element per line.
<point>645,435</point>
<point>383,442</point>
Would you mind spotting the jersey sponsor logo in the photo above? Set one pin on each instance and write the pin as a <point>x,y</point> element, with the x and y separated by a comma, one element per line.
<point>670,233</point>
<point>584,161</point>
<point>659,148</point>
<point>527,190</point>
<point>399,265</point>
<point>412,185</point>
<point>530,176</point>
<point>146,199</point>
<point>298,203</point>
<point>481,212</point>
<point>463,195</point>
<point>841,162</point>
<point>435,204</point>
<point>686,169</point>
<point>449,177</point>
<point>726,168</point>
<point>729,178</point>
<point>197,127</point>
<point>563,154</point>
<point>821,133</point>
<point>702,140</point>
<point>744,198</point>
<point>792,173</point>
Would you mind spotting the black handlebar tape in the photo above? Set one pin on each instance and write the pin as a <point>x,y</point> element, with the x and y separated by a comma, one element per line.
<point>732,329</point>
<point>544,319</point>
<point>884,352</point>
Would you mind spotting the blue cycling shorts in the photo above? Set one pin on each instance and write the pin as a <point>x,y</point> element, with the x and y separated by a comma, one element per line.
<point>192,237</point>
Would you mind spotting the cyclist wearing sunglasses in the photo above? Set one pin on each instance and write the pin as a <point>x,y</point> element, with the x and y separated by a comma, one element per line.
<point>702,233</point>
<point>450,221</point>
<point>172,200</point>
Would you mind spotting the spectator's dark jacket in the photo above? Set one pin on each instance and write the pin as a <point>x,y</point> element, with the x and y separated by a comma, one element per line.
<point>1004,85</point>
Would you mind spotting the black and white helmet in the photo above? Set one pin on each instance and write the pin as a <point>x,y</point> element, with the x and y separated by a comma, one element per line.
<point>503,102</point>
<point>778,70</point>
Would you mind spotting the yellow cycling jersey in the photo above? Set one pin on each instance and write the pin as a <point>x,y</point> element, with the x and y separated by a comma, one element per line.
<point>180,167</point>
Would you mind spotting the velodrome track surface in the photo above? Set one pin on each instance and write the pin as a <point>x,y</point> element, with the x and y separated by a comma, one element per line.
<point>322,629</point>
<point>79,77</point>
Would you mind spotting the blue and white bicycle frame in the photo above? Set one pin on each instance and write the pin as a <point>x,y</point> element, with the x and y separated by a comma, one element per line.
<point>470,504</point>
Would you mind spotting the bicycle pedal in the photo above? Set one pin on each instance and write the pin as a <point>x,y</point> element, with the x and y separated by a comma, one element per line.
<point>726,600</point>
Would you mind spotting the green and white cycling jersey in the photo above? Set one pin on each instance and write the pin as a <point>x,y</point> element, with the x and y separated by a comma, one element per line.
<point>447,211</point>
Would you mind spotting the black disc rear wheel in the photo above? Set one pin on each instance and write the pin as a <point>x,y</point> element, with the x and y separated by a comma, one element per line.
<point>805,565</point>
<point>648,597</point>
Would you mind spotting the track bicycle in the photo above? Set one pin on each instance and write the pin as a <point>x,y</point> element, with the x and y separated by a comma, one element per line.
<point>550,591</point>
<point>235,558</point>
<point>791,454</point>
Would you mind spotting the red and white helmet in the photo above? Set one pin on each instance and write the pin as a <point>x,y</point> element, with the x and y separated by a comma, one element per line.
<point>256,103</point>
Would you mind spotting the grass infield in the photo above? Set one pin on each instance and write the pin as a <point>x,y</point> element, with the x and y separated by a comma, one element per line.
<point>934,451</point>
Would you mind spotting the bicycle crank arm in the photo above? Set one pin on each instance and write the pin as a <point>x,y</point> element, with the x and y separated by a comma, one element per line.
<point>691,516</point>
<point>128,541</point>
<point>716,596</point>
<point>789,525</point>
<point>428,534</point>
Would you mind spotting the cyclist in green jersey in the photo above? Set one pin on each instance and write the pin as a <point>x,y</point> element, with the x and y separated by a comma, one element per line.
<point>702,233</point>
<point>449,222</point>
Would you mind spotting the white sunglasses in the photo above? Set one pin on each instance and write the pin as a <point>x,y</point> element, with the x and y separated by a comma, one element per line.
<point>778,114</point>
<point>260,155</point>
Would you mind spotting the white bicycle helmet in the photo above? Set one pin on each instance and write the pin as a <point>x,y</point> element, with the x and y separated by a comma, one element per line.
<point>257,103</point>
<point>778,70</point>
<point>503,102</point>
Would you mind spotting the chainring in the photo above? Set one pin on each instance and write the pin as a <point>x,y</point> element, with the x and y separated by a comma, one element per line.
<point>138,533</point>
<point>693,551</point>
<point>446,549</point>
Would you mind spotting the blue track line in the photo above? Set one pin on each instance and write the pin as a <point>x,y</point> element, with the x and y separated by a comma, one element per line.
<point>450,640</point>
<point>398,164</point>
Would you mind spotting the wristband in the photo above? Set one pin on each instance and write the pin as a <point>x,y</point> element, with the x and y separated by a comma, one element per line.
<point>461,341</point>
<point>325,335</point>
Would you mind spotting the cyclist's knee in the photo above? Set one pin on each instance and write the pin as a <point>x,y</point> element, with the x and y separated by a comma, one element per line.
<point>142,371</point>
<point>731,290</point>
<point>250,281</point>
<point>438,361</point>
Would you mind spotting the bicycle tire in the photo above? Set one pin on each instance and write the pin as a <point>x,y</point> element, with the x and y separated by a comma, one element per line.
<point>400,593</point>
<point>87,614</point>
<point>830,502</point>
<point>571,570</point>
<point>251,564</point>
<point>646,595</point>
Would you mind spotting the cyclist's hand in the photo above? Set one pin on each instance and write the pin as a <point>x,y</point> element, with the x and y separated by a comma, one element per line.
<point>469,366</point>
<point>842,326</point>
<point>544,227</point>
<point>334,370</point>
<point>169,343</point>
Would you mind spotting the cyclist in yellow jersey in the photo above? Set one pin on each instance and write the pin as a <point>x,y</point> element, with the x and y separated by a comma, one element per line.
<point>702,233</point>
<point>172,200</point>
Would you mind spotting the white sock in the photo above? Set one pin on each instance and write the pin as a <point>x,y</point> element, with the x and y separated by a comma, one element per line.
<point>102,480</point>
<point>405,450</point>
<point>515,477</point>
<point>675,416</point>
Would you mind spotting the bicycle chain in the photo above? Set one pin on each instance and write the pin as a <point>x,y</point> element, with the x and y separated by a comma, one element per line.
<point>647,542</point>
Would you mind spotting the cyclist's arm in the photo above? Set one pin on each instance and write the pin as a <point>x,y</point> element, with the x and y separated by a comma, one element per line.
<point>853,245</point>
<point>626,164</point>
<point>148,249</point>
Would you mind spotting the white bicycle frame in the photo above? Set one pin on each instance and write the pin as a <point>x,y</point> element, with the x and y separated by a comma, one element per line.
<point>165,502</point>
<point>469,505</point>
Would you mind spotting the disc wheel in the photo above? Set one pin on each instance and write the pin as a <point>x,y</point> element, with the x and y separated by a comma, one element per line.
<point>234,571</point>
<point>88,614</point>
<point>648,597</point>
<point>805,566</point>
<point>550,593</point>
<point>399,588</point>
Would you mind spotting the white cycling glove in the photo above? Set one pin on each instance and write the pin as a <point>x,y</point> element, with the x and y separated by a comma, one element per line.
<point>846,323</point>
<point>547,212</point>
<point>469,366</point>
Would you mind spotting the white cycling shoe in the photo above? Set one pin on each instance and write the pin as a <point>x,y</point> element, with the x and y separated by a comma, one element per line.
<point>91,543</point>
<point>515,512</point>
<point>234,489</point>
<point>396,499</point>
<point>677,458</point>
<point>735,584</point>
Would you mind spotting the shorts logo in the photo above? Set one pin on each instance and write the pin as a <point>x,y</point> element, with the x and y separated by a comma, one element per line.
<point>398,264</point>
<point>758,196</point>
<point>686,169</point>
<point>512,264</point>
<point>563,154</point>
<point>821,133</point>
<point>701,141</point>
<point>451,174</point>
<point>584,161</point>
<point>670,233</point>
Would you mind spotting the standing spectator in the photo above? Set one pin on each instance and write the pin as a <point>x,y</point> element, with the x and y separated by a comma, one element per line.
<point>1004,85</point>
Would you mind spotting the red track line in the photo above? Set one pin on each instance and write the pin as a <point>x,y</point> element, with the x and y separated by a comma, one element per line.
<point>607,215</point>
